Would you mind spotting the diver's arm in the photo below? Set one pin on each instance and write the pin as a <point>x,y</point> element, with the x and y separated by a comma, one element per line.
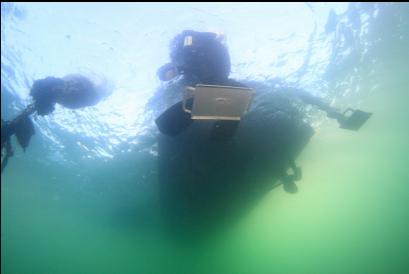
<point>351,119</point>
<point>30,109</point>
<point>8,127</point>
<point>315,101</point>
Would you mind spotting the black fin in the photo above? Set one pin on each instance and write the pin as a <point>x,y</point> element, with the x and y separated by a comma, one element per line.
<point>24,129</point>
<point>355,120</point>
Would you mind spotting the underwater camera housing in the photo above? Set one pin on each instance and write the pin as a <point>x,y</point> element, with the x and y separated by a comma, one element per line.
<point>211,102</point>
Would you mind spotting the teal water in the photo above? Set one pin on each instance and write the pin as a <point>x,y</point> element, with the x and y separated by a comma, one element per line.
<point>83,199</point>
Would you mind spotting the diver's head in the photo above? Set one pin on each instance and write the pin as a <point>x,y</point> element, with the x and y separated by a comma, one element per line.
<point>200,57</point>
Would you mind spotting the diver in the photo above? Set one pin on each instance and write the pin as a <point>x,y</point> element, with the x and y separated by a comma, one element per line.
<point>72,91</point>
<point>203,58</point>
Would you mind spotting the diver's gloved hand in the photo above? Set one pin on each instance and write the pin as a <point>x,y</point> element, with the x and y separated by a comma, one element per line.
<point>45,93</point>
<point>167,72</point>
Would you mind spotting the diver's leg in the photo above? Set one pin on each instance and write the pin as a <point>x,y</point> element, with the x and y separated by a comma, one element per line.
<point>9,153</point>
<point>4,163</point>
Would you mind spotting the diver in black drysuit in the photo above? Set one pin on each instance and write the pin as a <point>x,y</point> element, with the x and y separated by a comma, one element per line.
<point>71,91</point>
<point>202,58</point>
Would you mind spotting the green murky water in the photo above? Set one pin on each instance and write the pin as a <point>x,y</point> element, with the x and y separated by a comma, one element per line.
<point>349,216</point>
